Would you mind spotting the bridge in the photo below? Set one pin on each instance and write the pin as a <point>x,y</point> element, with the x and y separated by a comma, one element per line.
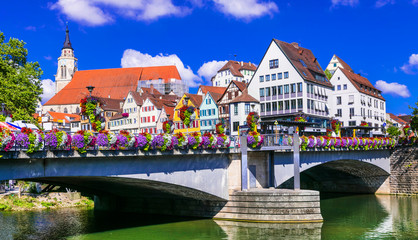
<point>204,183</point>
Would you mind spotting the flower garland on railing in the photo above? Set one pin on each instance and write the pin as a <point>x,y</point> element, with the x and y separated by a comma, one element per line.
<point>352,143</point>
<point>90,108</point>
<point>179,140</point>
<point>187,114</point>
<point>209,141</point>
<point>7,139</point>
<point>252,120</point>
<point>144,141</point>
<point>221,139</point>
<point>300,119</point>
<point>83,140</point>
<point>254,139</point>
<point>194,140</point>
<point>58,140</point>
<point>30,140</point>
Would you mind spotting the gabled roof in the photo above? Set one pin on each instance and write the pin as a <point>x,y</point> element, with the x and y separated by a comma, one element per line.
<point>215,96</point>
<point>235,67</point>
<point>152,91</point>
<point>169,110</point>
<point>212,89</point>
<point>304,61</point>
<point>362,84</point>
<point>397,119</point>
<point>63,116</point>
<point>109,104</point>
<point>139,100</point>
<point>110,83</point>
<point>240,85</point>
<point>245,97</point>
<point>195,99</point>
<point>406,118</point>
<point>344,64</point>
<point>159,103</point>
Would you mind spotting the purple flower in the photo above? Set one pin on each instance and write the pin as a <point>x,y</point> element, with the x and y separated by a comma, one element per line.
<point>205,141</point>
<point>122,140</point>
<point>220,141</point>
<point>250,140</point>
<point>92,140</point>
<point>311,142</point>
<point>78,141</point>
<point>142,141</point>
<point>190,109</point>
<point>22,140</point>
<point>191,140</point>
<point>174,141</point>
<point>343,142</point>
<point>102,140</point>
<point>158,141</point>
<point>51,140</point>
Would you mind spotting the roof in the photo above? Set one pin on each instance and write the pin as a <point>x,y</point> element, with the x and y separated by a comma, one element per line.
<point>109,83</point>
<point>397,119</point>
<point>159,103</point>
<point>216,96</point>
<point>109,104</point>
<point>212,89</point>
<point>63,116</point>
<point>169,110</point>
<point>406,118</point>
<point>150,90</point>
<point>195,99</point>
<point>360,83</point>
<point>67,43</point>
<point>304,61</point>
<point>138,98</point>
<point>245,97</point>
<point>235,67</point>
<point>116,116</point>
<point>344,64</point>
<point>240,85</point>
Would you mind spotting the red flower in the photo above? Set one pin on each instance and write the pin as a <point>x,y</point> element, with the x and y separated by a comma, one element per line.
<point>26,130</point>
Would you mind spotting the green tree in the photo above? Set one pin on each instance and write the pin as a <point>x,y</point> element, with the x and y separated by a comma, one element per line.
<point>414,120</point>
<point>394,131</point>
<point>328,74</point>
<point>20,87</point>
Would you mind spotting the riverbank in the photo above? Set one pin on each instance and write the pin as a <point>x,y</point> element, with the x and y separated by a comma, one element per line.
<point>12,202</point>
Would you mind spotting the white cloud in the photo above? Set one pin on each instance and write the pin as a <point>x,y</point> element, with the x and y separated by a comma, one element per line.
<point>209,69</point>
<point>350,3</point>
<point>382,3</point>
<point>100,12</point>
<point>412,66</point>
<point>393,88</point>
<point>49,90</point>
<point>133,58</point>
<point>246,9</point>
<point>415,2</point>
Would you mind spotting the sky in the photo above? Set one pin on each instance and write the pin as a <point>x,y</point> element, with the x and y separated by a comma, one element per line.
<point>377,38</point>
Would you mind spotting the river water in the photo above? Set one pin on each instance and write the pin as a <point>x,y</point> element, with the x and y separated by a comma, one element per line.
<point>345,217</point>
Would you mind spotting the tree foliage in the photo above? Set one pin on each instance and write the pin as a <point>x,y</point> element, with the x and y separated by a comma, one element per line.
<point>328,74</point>
<point>20,87</point>
<point>394,131</point>
<point>414,120</point>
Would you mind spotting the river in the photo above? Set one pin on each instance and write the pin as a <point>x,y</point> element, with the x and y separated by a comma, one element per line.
<point>345,217</point>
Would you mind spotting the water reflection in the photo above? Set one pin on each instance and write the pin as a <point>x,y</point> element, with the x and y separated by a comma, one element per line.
<point>247,230</point>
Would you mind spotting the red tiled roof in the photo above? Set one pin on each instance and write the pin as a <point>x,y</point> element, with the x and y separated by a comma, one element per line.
<point>396,118</point>
<point>160,103</point>
<point>110,83</point>
<point>212,89</point>
<point>359,81</point>
<point>195,99</point>
<point>61,116</point>
<point>309,67</point>
<point>235,67</point>
<point>109,104</point>
<point>344,64</point>
<point>242,86</point>
<point>245,97</point>
<point>169,110</point>
<point>216,96</point>
<point>406,118</point>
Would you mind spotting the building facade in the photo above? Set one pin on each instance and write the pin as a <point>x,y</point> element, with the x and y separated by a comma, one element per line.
<point>233,71</point>
<point>233,90</point>
<point>239,109</point>
<point>209,116</point>
<point>194,101</point>
<point>67,64</point>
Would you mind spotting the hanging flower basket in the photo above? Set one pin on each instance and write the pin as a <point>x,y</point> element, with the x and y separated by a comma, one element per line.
<point>7,139</point>
<point>187,114</point>
<point>90,108</point>
<point>252,121</point>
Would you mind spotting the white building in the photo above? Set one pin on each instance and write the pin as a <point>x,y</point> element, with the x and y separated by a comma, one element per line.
<point>356,100</point>
<point>239,108</point>
<point>67,64</point>
<point>233,70</point>
<point>289,82</point>
<point>336,63</point>
<point>150,113</point>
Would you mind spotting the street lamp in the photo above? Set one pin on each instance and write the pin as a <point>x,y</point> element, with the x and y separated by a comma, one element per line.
<point>186,103</point>
<point>90,89</point>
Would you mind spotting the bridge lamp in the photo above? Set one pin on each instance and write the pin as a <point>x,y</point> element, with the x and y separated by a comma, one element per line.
<point>90,89</point>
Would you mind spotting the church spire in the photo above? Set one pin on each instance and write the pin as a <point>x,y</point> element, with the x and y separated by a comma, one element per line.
<point>67,43</point>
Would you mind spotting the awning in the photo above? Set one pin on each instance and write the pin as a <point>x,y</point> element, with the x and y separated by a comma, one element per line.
<point>9,126</point>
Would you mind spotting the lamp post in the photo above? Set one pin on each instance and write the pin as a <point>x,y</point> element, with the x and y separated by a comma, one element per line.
<point>186,103</point>
<point>90,89</point>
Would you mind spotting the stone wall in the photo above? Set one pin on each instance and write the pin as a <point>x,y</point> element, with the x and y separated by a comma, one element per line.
<point>404,171</point>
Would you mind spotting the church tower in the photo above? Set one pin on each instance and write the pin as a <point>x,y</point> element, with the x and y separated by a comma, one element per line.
<point>67,64</point>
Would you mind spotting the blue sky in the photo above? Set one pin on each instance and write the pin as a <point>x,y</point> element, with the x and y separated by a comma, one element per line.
<point>377,38</point>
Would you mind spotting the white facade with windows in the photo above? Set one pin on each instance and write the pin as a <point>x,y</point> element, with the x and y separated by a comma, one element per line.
<point>132,108</point>
<point>353,104</point>
<point>149,115</point>
<point>238,114</point>
<point>284,90</point>
<point>233,71</point>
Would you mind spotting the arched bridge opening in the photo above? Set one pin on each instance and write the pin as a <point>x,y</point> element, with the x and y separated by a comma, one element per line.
<point>342,176</point>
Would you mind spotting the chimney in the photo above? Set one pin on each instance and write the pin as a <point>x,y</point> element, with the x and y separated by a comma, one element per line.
<point>121,104</point>
<point>242,63</point>
<point>249,63</point>
<point>152,88</point>
<point>295,44</point>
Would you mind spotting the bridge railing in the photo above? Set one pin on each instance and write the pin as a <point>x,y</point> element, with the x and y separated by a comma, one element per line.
<point>277,142</point>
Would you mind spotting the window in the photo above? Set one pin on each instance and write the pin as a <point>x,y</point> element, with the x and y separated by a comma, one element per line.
<point>268,107</point>
<point>303,63</point>
<point>308,89</point>
<point>280,90</point>
<point>274,106</point>
<point>350,99</point>
<point>335,65</point>
<point>280,105</point>
<point>338,100</point>
<point>274,91</point>
<point>261,92</point>
<point>351,112</point>
<point>352,123</point>
<point>274,63</point>
<point>235,126</point>
<point>261,78</point>
<point>293,87</point>
<point>267,78</point>
<point>286,89</point>
<point>247,108</point>
<point>345,86</point>
<point>268,92</point>
<point>286,105</point>
<point>299,87</point>
<point>273,77</point>
<point>279,76</point>
<point>338,87</point>
<point>262,107</point>
<point>65,110</point>
<point>293,104</point>
<point>213,111</point>
<point>300,103</point>
<point>286,75</point>
<point>235,108</point>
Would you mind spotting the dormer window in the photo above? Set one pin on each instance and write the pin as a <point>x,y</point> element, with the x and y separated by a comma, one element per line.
<point>303,63</point>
